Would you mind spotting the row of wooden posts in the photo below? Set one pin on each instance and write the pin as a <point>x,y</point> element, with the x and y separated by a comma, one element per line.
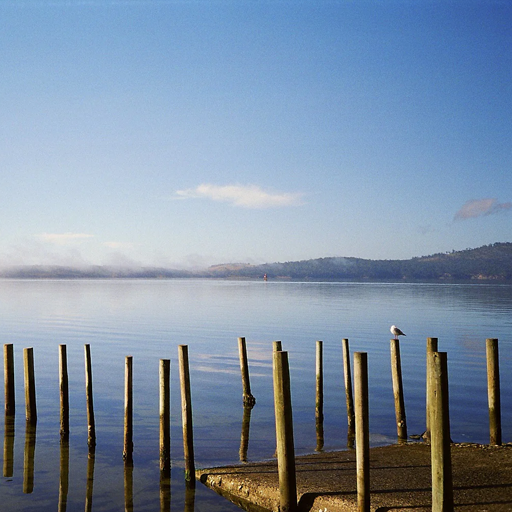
<point>437,408</point>
<point>437,432</point>
<point>164,403</point>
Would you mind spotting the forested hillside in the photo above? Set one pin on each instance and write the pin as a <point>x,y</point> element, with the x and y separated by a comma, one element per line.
<point>490,262</point>
<point>487,263</point>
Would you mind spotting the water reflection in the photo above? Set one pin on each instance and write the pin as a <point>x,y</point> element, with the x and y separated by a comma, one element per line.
<point>190,496</point>
<point>319,432</point>
<point>165,491</point>
<point>28,457</point>
<point>244,438</point>
<point>9,445</point>
<point>90,481</point>
<point>128,486</point>
<point>64,474</point>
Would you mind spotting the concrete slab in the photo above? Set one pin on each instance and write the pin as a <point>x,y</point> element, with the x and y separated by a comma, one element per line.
<point>400,480</point>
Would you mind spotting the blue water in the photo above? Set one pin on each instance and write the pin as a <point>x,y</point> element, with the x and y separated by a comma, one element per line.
<point>149,319</point>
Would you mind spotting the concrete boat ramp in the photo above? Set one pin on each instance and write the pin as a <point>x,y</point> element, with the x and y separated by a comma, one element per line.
<point>400,480</point>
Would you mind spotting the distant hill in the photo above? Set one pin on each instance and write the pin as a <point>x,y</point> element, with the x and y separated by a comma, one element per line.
<point>487,263</point>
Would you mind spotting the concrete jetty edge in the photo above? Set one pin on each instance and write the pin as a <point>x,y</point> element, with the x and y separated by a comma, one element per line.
<point>400,480</point>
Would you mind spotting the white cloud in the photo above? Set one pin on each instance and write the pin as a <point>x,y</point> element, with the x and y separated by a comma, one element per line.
<point>480,207</point>
<point>246,196</point>
<point>62,238</point>
<point>118,245</point>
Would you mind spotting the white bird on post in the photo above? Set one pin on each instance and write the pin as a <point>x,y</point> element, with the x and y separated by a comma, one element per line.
<point>395,331</point>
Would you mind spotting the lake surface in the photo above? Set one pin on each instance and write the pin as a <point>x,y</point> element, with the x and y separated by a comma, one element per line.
<point>149,319</point>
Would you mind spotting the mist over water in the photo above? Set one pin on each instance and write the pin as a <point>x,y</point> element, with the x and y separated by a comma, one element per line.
<point>148,319</point>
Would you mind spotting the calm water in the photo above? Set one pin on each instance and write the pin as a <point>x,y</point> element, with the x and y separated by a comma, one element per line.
<point>149,319</point>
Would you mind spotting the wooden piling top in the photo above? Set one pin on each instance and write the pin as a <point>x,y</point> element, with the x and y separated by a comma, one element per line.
<point>400,479</point>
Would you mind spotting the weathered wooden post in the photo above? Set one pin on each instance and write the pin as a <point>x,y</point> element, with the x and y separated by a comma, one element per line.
<point>362,431</point>
<point>9,446</point>
<point>186,415</point>
<point>28,457</point>
<point>165,431</point>
<point>398,390</point>
<point>348,389</point>
<point>442,485</point>
<point>91,428</point>
<point>64,475</point>
<point>284,432</point>
<point>9,379</point>
<point>128,411</point>
<point>64,392</point>
<point>277,346</point>
<point>248,398</point>
<point>30,386</point>
<point>431,348</point>
<point>319,404</point>
<point>493,390</point>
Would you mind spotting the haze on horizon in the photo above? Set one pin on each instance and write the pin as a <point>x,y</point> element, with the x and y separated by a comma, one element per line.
<point>186,134</point>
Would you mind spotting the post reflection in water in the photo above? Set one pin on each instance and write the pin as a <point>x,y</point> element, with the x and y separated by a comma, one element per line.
<point>165,491</point>
<point>190,496</point>
<point>28,457</point>
<point>128,486</point>
<point>9,445</point>
<point>244,438</point>
<point>90,481</point>
<point>319,407</point>
<point>319,433</point>
<point>64,474</point>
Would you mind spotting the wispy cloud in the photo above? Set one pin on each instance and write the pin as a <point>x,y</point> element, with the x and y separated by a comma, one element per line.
<point>246,196</point>
<point>480,207</point>
<point>62,238</point>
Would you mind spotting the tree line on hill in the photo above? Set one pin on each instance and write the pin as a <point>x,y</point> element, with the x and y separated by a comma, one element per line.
<point>487,263</point>
<point>490,262</point>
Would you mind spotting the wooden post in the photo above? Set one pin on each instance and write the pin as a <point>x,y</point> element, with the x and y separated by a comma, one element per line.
<point>128,411</point>
<point>64,392</point>
<point>398,390</point>
<point>9,378</point>
<point>277,346</point>
<point>9,446</point>
<point>348,392</point>
<point>362,431</point>
<point>64,475</point>
<point>28,457</point>
<point>248,398</point>
<point>431,348</point>
<point>493,390</point>
<point>30,386</point>
<point>186,415</point>
<point>319,404</point>
<point>165,431</point>
<point>442,486</point>
<point>284,432</point>
<point>91,428</point>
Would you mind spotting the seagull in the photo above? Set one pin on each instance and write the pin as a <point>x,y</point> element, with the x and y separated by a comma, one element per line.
<point>395,331</point>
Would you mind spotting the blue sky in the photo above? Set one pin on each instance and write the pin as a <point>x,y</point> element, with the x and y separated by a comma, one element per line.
<point>183,133</point>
